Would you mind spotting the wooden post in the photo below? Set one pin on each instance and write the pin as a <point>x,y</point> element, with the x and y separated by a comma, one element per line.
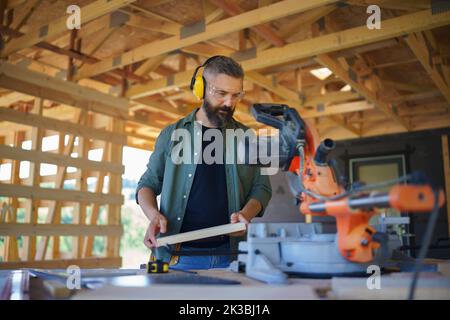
<point>70,62</point>
<point>115,187</point>
<point>89,241</point>
<point>446,164</point>
<point>81,184</point>
<point>56,254</point>
<point>11,243</point>
<point>29,244</point>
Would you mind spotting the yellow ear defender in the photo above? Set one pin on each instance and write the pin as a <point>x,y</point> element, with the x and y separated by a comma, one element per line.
<point>198,82</point>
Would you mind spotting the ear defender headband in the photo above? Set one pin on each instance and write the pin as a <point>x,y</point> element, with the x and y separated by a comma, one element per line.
<point>198,82</point>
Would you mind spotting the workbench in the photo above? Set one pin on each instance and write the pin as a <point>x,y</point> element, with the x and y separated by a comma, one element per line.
<point>134,284</point>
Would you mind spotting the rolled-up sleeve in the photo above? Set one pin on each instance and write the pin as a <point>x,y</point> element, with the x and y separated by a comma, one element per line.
<point>153,176</point>
<point>261,190</point>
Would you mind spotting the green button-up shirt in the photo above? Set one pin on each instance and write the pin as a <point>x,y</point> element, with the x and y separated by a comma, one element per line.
<point>173,181</point>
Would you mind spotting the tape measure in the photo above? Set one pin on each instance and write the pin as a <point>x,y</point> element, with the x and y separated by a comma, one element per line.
<point>157,266</point>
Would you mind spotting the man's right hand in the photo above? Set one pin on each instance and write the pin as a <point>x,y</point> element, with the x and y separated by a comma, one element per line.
<point>158,224</point>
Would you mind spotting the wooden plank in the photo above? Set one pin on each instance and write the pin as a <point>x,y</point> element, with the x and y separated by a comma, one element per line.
<point>115,187</point>
<point>336,109</point>
<point>87,13</point>
<point>446,165</point>
<point>33,83</point>
<point>349,38</point>
<point>213,30</point>
<point>89,241</point>
<point>16,191</point>
<point>264,30</point>
<point>11,243</point>
<point>49,229</point>
<point>31,213</point>
<point>8,152</point>
<point>58,125</point>
<point>115,262</point>
<point>201,234</point>
<point>80,209</point>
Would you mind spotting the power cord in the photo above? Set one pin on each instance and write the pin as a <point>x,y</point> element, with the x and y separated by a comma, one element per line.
<point>425,245</point>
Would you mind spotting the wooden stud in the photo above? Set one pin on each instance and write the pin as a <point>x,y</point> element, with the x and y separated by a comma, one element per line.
<point>29,243</point>
<point>95,209</point>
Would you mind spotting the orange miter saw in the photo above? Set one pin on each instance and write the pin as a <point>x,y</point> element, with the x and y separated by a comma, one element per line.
<point>275,249</point>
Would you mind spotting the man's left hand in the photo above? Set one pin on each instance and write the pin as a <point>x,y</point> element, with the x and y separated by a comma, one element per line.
<point>235,218</point>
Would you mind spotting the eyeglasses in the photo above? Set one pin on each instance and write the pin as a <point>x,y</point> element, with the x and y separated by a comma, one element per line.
<point>220,94</point>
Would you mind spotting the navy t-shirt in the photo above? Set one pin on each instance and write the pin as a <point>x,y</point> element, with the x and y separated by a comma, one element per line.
<point>207,205</point>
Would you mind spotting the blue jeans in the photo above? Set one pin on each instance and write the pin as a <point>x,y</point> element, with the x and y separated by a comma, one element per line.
<point>202,262</point>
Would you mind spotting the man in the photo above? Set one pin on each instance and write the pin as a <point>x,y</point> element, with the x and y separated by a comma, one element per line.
<point>202,194</point>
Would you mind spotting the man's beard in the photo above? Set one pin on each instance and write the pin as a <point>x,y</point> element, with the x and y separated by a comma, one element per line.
<point>217,118</point>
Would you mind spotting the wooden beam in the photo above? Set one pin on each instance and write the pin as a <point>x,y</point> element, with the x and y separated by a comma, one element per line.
<point>8,152</point>
<point>339,71</point>
<point>419,45</point>
<point>50,229</point>
<point>9,190</point>
<point>40,85</point>
<point>11,243</point>
<point>213,30</point>
<point>337,109</point>
<point>264,30</point>
<point>446,165</point>
<point>31,213</point>
<point>59,125</point>
<point>115,262</point>
<point>95,211</point>
<point>115,187</point>
<point>88,13</point>
<point>150,65</point>
<point>349,38</point>
<point>154,25</point>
